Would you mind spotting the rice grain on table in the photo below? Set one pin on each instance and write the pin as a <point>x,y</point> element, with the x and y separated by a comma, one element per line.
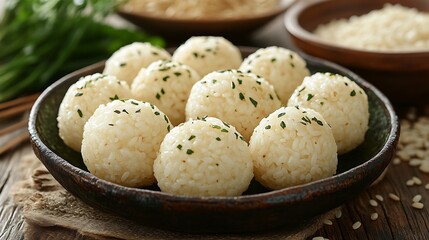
<point>373,203</point>
<point>379,197</point>
<point>374,216</point>
<point>417,198</point>
<point>394,197</point>
<point>356,225</point>
<point>417,205</point>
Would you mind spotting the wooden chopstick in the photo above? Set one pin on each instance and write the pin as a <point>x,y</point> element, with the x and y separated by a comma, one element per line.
<point>16,141</point>
<point>18,101</point>
<point>14,127</point>
<point>16,110</point>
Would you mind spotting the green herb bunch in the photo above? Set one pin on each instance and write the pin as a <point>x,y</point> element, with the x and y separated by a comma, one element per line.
<point>42,40</point>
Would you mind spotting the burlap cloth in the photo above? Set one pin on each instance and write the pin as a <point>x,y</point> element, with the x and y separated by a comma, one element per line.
<point>50,212</point>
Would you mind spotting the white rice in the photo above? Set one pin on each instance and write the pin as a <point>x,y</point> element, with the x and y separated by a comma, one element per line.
<point>204,157</point>
<point>121,141</point>
<point>392,28</point>
<point>241,99</point>
<point>80,102</point>
<point>293,146</point>
<point>341,102</point>
<point>283,68</point>
<point>206,54</point>
<point>166,84</point>
<point>126,62</point>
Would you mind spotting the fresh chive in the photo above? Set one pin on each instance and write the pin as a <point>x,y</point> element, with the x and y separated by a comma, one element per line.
<point>281,115</point>
<point>189,151</point>
<point>309,96</point>
<point>114,98</point>
<point>218,139</point>
<point>157,96</point>
<point>232,85</point>
<point>254,102</point>
<point>139,110</point>
<point>125,111</point>
<point>177,73</point>
<point>191,137</point>
<point>78,94</point>
<point>268,127</point>
<point>122,64</point>
<point>156,113</point>
<point>80,113</point>
<point>241,95</point>
<point>179,147</point>
<point>117,111</point>
<point>110,124</point>
<point>282,124</point>
<point>216,126</point>
<point>165,78</point>
<point>353,93</point>
<point>239,81</point>
<point>224,130</point>
<point>162,91</point>
<point>166,119</point>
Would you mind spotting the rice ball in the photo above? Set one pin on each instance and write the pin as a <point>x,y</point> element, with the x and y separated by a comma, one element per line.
<point>80,102</point>
<point>204,157</point>
<point>342,103</point>
<point>126,62</point>
<point>121,141</point>
<point>166,84</point>
<point>207,54</point>
<point>283,68</point>
<point>293,146</point>
<point>241,99</point>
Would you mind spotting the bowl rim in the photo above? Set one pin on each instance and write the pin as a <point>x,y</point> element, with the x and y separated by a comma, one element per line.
<point>281,7</point>
<point>295,29</point>
<point>272,198</point>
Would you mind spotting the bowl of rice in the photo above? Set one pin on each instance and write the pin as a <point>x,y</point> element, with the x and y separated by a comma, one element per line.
<point>180,19</point>
<point>386,42</point>
<point>230,198</point>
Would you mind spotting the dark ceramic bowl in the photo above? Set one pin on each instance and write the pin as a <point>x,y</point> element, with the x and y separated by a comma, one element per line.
<point>258,209</point>
<point>402,76</point>
<point>181,28</point>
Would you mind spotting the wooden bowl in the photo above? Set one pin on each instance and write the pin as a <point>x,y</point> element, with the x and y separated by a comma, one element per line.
<point>183,28</point>
<point>258,209</point>
<point>402,76</point>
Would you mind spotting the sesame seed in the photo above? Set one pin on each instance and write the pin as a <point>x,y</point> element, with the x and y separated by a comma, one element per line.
<point>417,198</point>
<point>424,166</point>
<point>373,203</point>
<point>394,197</point>
<point>427,186</point>
<point>374,216</point>
<point>417,205</point>
<point>379,198</point>
<point>356,225</point>
<point>318,238</point>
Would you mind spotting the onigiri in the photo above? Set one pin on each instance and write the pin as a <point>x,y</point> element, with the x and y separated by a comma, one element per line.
<point>166,84</point>
<point>207,54</point>
<point>126,62</point>
<point>293,146</point>
<point>283,68</point>
<point>121,140</point>
<point>80,102</point>
<point>205,157</point>
<point>342,103</point>
<point>241,99</point>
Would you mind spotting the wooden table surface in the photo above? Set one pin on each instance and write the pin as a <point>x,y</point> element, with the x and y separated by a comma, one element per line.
<point>396,219</point>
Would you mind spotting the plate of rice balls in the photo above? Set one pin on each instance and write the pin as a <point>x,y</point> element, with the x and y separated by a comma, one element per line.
<point>212,137</point>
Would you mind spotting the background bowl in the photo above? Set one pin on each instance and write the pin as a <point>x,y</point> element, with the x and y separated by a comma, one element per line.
<point>258,209</point>
<point>401,76</point>
<point>183,28</point>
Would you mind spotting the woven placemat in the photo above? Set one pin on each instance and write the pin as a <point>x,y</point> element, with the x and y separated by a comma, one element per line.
<point>51,212</point>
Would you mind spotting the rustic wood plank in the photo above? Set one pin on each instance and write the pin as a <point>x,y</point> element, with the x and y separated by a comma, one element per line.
<point>11,221</point>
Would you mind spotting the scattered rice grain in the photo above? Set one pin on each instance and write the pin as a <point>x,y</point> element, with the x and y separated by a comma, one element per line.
<point>417,181</point>
<point>327,222</point>
<point>415,162</point>
<point>373,203</point>
<point>379,197</point>
<point>356,225</point>
<point>338,214</point>
<point>410,183</point>
<point>396,161</point>
<point>417,205</point>
<point>424,166</point>
<point>394,197</point>
<point>374,216</point>
<point>417,198</point>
